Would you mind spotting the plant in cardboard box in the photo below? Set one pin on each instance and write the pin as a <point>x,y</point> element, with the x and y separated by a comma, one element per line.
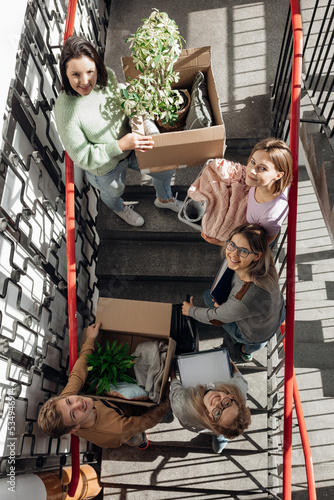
<point>109,365</point>
<point>155,46</point>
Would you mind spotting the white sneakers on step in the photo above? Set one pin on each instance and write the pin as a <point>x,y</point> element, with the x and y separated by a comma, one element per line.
<point>134,219</point>
<point>130,216</point>
<point>174,205</point>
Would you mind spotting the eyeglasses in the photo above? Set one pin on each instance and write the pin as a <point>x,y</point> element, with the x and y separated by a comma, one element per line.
<point>242,252</point>
<point>216,413</point>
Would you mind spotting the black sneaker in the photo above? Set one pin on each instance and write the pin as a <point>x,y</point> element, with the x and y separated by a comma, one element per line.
<point>246,357</point>
<point>144,445</point>
<point>167,418</point>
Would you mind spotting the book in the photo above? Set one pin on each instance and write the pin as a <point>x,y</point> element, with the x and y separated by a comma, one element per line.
<point>222,284</point>
<point>205,367</point>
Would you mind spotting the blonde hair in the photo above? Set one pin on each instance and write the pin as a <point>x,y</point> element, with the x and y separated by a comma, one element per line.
<point>200,415</point>
<point>50,419</point>
<point>262,272</point>
<point>281,157</point>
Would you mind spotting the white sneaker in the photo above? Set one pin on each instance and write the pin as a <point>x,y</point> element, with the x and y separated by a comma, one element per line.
<point>130,216</point>
<point>174,205</point>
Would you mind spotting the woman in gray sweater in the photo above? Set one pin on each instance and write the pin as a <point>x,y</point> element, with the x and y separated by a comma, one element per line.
<point>254,309</point>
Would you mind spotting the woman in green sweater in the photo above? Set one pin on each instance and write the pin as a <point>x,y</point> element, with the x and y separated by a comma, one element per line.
<point>95,130</point>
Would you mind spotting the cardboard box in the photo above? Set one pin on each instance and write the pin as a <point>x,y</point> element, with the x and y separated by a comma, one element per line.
<point>133,322</point>
<point>186,148</point>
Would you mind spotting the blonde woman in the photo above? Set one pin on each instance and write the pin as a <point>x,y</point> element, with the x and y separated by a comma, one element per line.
<point>219,408</point>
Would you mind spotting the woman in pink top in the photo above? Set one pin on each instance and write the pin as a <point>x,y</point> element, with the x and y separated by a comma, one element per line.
<point>269,175</point>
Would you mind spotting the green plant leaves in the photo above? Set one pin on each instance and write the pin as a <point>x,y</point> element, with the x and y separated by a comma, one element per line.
<point>155,46</point>
<point>108,365</point>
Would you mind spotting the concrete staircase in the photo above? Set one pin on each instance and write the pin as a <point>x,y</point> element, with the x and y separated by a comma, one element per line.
<point>314,346</point>
<point>134,263</point>
<point>163,261</point>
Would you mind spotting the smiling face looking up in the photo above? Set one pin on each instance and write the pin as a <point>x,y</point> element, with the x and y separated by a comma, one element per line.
<point>237,263</point>
<point>82,75</point>
<point>77,411</point>
<point>261,172</point>
<point>212,399</point>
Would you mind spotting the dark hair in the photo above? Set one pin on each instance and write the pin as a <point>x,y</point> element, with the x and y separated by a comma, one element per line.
<point>199,413</point>
<point>76,47</point>
<point>50,419</point>
<point>281,157</point>
<point>262,271</point>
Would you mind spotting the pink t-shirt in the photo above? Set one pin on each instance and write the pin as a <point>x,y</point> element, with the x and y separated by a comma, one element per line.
<point>269,215</point>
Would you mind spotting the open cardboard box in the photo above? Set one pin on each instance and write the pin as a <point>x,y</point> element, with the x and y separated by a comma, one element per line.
<point>186,148</point>
<point>132,322</point>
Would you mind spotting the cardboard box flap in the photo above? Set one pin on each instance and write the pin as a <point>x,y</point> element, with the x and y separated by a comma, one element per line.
<point>194,58</point>
<point>134,316</point>
<point>214,99</point>
<point>190,60</point>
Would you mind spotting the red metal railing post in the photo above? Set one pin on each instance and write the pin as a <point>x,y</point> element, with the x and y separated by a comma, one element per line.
<point>312,494</point>
<point>71,268</point>
<point>291,246</point>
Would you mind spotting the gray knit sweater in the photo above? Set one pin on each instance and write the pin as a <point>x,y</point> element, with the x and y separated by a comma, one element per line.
<point>256,311</point>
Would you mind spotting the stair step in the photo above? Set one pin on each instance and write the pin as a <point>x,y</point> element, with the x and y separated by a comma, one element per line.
<point>151,259</point>
<point>182,178</point>
<point>174,292</point>
<point>312,331</point>
<point>315,384</point>
<point>184,464</point>
<point>314,355</point>
<point>310,310</point>
<point>160,224</point>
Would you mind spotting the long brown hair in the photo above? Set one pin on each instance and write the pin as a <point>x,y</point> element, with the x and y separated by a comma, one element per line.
<point>281,157</point>
<point>77,47</point>
<point>200,415</point>
<point>262,271</point>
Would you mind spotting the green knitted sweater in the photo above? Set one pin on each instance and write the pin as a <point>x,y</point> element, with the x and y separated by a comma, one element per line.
<point>90,126</point>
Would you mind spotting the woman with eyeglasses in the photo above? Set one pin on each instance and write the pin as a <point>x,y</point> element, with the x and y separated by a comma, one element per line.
<point>254,309</point>
<point>218,408</point>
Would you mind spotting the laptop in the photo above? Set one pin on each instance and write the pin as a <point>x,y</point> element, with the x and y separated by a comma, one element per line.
<point>222,284</point>
<point>205,367</point>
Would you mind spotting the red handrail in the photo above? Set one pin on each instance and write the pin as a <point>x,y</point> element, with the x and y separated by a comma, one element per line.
<point>71,269</point>
<point>290,384</point>
<point>303,434</point>
<point>312,494</point>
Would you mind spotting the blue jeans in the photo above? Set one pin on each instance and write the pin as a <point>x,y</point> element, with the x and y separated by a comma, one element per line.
<point>233,330</point>
<point>220,443</point>
<point>111,186</point>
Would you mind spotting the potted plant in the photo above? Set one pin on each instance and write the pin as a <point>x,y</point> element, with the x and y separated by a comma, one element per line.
<point>109,366</point>
<point>155,46</point>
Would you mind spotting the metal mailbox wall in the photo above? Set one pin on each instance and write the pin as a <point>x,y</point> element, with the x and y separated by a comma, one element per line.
<point>33,295</point>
